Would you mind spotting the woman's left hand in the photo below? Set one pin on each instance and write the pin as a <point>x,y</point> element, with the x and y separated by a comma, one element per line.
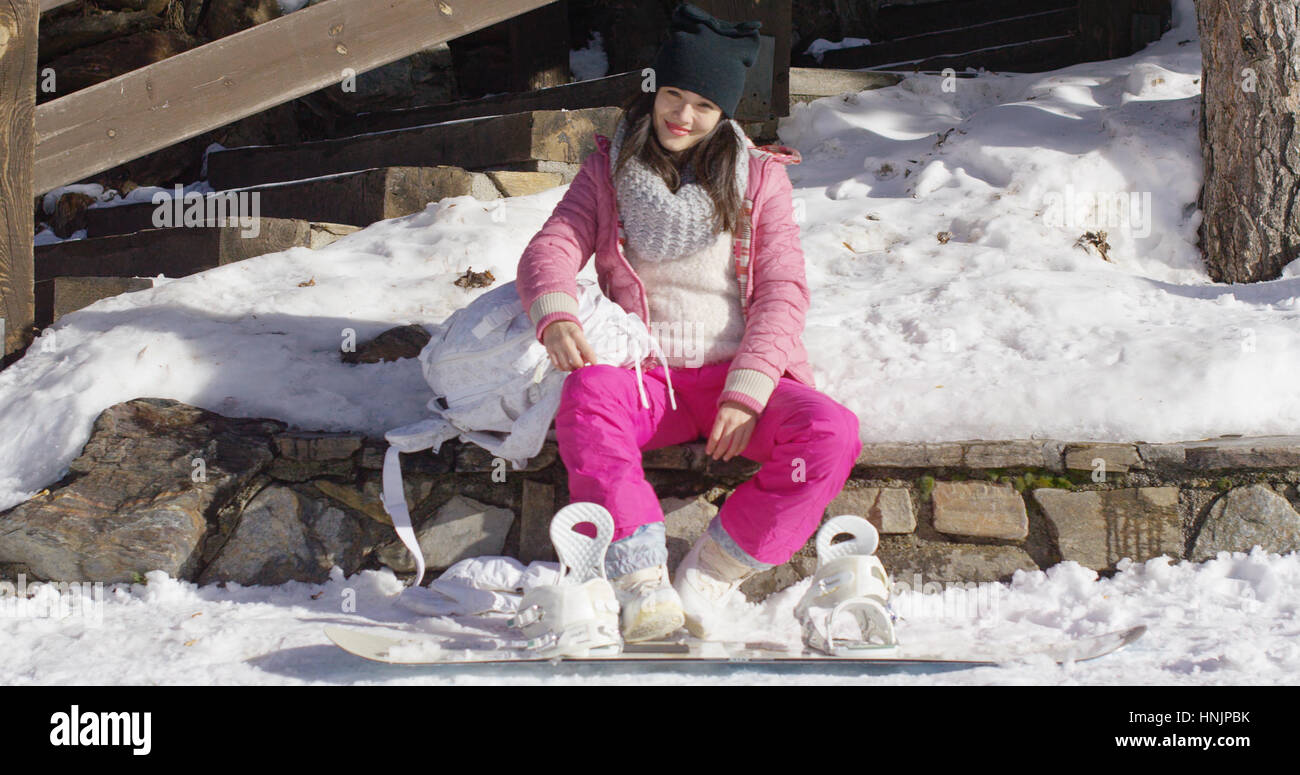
<point>731,431</point>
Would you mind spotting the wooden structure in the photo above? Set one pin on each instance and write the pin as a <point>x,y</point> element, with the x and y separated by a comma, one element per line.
<point>1013,35</point>
<point>75,136</point>
<point>126,117</point>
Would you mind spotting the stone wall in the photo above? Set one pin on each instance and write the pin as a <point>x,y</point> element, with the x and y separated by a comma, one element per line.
<point>163,485</point>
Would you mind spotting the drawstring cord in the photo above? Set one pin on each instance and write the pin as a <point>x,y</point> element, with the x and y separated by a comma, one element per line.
<point>655,349</point>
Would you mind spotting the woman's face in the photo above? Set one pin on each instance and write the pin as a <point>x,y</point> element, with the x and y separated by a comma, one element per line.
<point>678,109</point>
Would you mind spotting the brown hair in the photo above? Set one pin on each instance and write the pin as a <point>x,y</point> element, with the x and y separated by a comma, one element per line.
<point>712,159</point>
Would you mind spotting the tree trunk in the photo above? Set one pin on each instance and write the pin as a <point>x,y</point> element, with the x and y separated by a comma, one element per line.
<point>1250,105</point>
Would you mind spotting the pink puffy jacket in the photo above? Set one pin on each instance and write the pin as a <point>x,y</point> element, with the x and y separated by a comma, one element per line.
<point>586,221</point>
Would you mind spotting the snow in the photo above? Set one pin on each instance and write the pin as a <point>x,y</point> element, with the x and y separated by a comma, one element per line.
<point>1229,621</point>
<point>1009,330</point>
<point>820,46</point>
<point>590,62</point>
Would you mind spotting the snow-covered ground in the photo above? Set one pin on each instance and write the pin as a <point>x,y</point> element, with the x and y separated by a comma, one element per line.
<point>1230,621</point>
<point>1006,330</point>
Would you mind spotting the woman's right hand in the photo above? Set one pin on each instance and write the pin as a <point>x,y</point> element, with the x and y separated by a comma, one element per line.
<point>567,346</point>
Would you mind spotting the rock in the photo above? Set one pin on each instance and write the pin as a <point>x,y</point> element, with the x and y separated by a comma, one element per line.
<point>1097,528</point>
<point>393,344</point>
<point>1017,453</point>
<point>684,521</point>
<point>140,496</point>
<point>471,457</point>
<point>889,509</point>
<point>1119,458</point>
<point>347,496</point>
<point>537,508</point>
<point>226,17</point>
<point>676,457</point>
<point>1256,452</point>
<point>297,445</point>
<point>287,470</point>
<point>460,529</point>
<point>763,585</point>
<point>152,6</point>
<point>1162,455</point>
<point>979,509</point>
<point>70,213</point>
<point>417,486</point>
<point>910,455</point>
<point>88,65</point>
<point>70,33</point>
<point>1246,517</point>
<point>282,536</point>
<point>427,462</point>
<point>917,561</point>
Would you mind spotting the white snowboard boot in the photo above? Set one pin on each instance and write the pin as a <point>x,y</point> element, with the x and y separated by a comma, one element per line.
<point>651,608</point>
<point>850,579</point>
<point>577,617</point>
<point>708,579</point>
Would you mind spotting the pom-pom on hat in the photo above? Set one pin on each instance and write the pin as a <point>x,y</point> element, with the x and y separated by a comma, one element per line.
<point>708,56</point>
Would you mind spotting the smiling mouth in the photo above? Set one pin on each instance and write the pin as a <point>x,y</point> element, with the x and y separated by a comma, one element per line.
<point>677,130</point>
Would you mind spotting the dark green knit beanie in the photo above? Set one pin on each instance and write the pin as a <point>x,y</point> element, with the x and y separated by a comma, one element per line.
<point>708,56</point>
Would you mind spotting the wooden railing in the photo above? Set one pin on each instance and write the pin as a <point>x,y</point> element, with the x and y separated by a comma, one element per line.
<point>171,100</point>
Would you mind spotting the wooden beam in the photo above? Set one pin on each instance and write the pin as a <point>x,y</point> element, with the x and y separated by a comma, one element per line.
<point>610,91</point>
<point>210,86</point>
<point>18,36</point>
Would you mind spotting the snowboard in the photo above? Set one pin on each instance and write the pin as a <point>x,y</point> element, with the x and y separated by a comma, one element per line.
<point>398,647</point>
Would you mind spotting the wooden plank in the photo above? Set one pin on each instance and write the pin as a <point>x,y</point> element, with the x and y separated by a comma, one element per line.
<point>480,143</point>
<point>897,21</point>
<point>18,43</point>
<point>61,295</point>
<point>609,91</point>
<point>169,252</point>
<point>812,82</point>
<point>1001,32</point>
<point>358,198</point>
<point>1105,29</point>
<point>210,86</point>
<point>1030,57</point>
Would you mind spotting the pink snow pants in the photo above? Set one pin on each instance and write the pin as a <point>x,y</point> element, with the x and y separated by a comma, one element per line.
<point>805,442</point>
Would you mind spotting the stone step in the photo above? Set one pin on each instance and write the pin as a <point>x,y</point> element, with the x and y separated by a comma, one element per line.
<point>535,141</point>
<point>355,198</point>
<point>319,504</point>
<point>181,251</point>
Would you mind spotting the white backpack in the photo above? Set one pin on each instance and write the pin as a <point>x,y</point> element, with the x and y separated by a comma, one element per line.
<point>494,385</point>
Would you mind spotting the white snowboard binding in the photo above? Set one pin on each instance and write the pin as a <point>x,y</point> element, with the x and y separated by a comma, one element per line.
<point>851,580</point>
<point>577,617</point>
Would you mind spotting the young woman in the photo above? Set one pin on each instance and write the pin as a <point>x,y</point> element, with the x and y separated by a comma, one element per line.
<point>661,207</point>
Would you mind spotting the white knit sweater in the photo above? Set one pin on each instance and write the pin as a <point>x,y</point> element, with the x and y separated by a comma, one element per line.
<point>694,304</point>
